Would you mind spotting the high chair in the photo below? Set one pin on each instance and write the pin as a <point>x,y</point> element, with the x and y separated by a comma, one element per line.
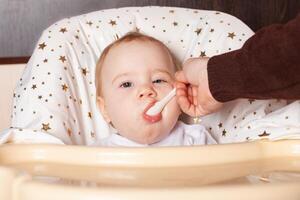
<point>54,105</point>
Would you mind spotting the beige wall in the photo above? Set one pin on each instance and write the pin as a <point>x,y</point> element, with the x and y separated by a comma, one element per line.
<point>9,75</point>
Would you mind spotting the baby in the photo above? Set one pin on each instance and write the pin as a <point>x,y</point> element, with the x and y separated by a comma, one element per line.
<point>131,75</point>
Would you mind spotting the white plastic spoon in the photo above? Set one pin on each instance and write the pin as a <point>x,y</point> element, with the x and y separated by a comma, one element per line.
<point>159,105</point>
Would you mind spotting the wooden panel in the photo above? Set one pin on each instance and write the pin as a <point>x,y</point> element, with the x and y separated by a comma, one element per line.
<point>14,60</point>
<point>22,21</point>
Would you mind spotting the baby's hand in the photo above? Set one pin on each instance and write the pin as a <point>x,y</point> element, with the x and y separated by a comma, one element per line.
<point>193,94</point>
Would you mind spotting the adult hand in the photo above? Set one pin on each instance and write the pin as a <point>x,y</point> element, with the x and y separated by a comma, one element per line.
<point>193,94</point>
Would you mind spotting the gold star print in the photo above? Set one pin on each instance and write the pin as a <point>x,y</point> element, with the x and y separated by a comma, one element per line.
<point>198,31</point>
<point>64,87</point>
<point>92,134</point>
<point>217,13</point>
<point>212,30</point>
<point>42,46</point>
<point>69,132</point>
<point>171,11</point>
<point>224,132</point>
<point>33,86</point>
<point>40,97</point>
<point>175,23</point>
<point>202,54</point>
<point>63,30</point>
<point>251,101</point>
<point>89,23</point>
<point>90,114</point>
<point>77,37</point>
<point>46,127</point>
<point>220,125</point>
<point>84,71</point>
<point>45,60</point>
<point>264,134</point>
<point>231,35</point>
<point>62,59</point>
<point>112,22</point>
<point>116,37</point>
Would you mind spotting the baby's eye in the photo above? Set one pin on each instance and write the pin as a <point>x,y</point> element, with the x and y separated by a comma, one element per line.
<point>159,81</point>
<point>126,84</point>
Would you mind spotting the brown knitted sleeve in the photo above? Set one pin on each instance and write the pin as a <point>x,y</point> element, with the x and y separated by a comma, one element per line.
<point>267,66</point>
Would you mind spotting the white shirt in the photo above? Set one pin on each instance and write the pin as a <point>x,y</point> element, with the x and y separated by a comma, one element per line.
<point>181,135</point>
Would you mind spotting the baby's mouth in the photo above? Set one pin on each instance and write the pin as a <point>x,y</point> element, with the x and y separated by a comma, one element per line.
<point>150,118</point>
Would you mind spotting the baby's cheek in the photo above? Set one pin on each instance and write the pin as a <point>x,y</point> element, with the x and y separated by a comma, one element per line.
<point>116,108</point>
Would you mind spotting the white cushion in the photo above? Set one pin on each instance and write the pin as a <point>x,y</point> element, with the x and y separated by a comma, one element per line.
<point>57,93</point>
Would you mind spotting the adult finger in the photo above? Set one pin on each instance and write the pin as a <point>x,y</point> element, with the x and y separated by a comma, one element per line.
<point>179,76</point>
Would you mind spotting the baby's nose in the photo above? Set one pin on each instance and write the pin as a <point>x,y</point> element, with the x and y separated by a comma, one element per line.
<point>147,92</point>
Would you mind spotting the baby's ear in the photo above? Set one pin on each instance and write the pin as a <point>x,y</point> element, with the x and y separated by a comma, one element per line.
<point>101,106</point>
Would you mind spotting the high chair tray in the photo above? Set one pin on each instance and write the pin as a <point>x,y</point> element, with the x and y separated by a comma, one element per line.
<point>147,173</point>
<point>152,167</point>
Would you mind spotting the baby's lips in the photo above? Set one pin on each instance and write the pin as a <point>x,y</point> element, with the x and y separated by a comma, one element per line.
<point>150,118</point>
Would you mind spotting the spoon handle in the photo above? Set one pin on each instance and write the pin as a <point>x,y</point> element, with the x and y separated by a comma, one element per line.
<point>167,98</point>
<point>158,106</point>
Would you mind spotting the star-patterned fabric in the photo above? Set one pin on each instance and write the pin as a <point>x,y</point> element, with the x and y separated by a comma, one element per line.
<point>56,93</point>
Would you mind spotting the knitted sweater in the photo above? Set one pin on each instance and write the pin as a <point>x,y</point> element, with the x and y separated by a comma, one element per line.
<point>267,66</point>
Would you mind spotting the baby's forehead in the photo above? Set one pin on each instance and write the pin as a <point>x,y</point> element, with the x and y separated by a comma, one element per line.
<point>146,43</point>
<point>140,46</point>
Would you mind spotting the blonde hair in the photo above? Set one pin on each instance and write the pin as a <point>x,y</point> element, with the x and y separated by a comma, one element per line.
<point>132,36</point>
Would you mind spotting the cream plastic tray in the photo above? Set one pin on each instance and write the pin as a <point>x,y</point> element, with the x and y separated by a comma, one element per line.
<point>210,172</point>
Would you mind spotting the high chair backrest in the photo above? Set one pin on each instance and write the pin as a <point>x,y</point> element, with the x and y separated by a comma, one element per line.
<point>56,94</point>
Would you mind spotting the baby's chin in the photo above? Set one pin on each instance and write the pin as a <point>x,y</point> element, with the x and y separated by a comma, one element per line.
<point>149,138</point>
<point>157,133</point>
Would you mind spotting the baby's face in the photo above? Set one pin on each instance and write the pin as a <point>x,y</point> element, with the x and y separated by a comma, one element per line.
<point>134,76</point>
